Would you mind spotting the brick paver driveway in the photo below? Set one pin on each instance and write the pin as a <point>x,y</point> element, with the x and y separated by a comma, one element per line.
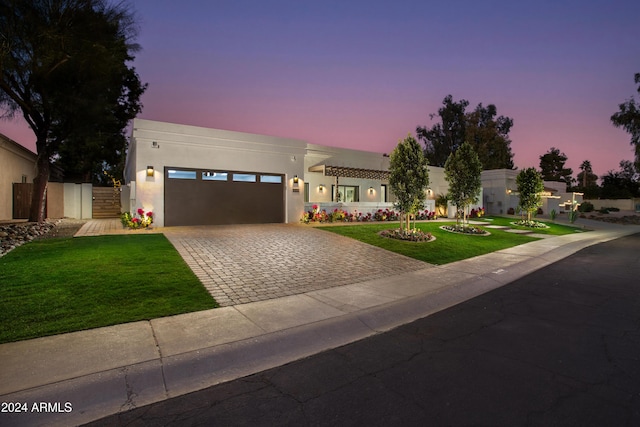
<point>245,263</point>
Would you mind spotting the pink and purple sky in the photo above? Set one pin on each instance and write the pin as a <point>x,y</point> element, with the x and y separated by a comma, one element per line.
<point>362,74</point>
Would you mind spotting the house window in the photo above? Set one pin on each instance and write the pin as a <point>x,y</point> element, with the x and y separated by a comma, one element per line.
<point>244,177</point>
<point>383,193</point>
<point>214,176</point>
<point>181,174</point>
<point>275,179</point>
<point>346,193</point>
<point>306,192</point>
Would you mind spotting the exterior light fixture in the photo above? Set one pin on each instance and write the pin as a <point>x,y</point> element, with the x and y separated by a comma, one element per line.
<point>149,170</point>
<point>370,190</point>
<point>155,144</point>
<point>295,179</point>
<point>321,188</point>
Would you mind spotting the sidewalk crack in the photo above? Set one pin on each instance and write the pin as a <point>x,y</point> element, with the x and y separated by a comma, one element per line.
<point>161,358</point>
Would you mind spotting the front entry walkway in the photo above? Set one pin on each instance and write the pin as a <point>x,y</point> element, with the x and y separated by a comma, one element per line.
<point>104,226</point>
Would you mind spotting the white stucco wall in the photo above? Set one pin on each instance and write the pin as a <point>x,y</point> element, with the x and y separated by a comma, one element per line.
<point>369,200</point>
<point>333,156</point>
<point>196,147</point>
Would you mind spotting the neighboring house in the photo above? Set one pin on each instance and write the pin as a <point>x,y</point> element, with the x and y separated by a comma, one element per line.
<point>556,197</point>
<point>17,165</point>
<point>190,175</point>
<point>501,193</point>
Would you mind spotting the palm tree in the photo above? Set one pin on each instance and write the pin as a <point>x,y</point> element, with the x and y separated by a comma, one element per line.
<point>586,171</point>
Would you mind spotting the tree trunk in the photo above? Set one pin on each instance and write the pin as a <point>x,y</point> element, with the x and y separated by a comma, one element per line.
<point>38,201</point>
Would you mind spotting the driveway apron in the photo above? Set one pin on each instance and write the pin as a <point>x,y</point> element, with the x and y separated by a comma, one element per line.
<point>246,263</point>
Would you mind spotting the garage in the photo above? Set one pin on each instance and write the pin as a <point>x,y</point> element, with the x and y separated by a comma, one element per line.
<point>217,197</point>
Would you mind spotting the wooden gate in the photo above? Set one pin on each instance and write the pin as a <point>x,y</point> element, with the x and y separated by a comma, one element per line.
<point>106,202</point>
<point>22,193</point>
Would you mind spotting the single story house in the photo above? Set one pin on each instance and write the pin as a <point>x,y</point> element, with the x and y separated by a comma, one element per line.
<point>189,175</point>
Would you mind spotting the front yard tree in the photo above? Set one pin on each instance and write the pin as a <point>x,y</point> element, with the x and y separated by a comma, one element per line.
<point>408,177</point>
<point>462,170</point>
<point>530,187</point>
<point>63,66</point>
<point>628,118</point>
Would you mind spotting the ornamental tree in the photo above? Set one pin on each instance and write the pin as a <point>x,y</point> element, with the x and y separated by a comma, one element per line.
<point>530,187</point>
<point>462,170</point>
<point>408,178</point>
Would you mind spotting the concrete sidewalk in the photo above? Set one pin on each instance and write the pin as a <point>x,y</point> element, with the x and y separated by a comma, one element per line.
<point>103,371</point>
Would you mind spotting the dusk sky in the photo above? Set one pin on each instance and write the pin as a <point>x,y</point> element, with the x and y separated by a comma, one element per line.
<point>362,74</point>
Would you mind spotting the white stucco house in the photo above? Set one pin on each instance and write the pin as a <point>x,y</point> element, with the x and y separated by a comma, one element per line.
<point>189,175</point>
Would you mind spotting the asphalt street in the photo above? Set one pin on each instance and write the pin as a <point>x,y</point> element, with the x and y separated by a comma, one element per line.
<point>559,347</point>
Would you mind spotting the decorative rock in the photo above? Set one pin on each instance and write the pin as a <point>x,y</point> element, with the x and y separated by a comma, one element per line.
<point>14,235</point>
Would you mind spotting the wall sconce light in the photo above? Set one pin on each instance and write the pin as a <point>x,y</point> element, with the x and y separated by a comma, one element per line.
<point>155,144</point>
<point>295,179</point>
<point>370,190</point>
<point>149,170</point>
<point>508,191</point>
<point>321,188</point>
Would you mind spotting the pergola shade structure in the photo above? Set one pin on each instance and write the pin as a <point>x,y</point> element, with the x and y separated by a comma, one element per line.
<point>348,172</point>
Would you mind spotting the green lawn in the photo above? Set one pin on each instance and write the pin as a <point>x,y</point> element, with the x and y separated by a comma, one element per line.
<point>68,284</point>
<point>448,247</point>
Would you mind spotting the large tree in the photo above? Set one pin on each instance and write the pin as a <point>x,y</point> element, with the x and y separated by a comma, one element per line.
<point>552,166</point>
<point>445,137</point>
<point>63,66</point>
<point>489,136</point>
<point>462,170</point>
<point>628,118</point>
<point>482,128</point>
<point>623,183</point>
<point>530,187</point>
<point>408,177</point>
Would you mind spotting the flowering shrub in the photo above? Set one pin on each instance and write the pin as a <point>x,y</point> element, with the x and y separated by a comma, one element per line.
<point>414,235</point>
<point>530,224</point>
<point>138,220</point>
<point>422,215</point>
<point>476,213</point>
<point>340,215</point>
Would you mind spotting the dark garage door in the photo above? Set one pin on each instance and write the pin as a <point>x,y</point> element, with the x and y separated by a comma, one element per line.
<point>214,197</point>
